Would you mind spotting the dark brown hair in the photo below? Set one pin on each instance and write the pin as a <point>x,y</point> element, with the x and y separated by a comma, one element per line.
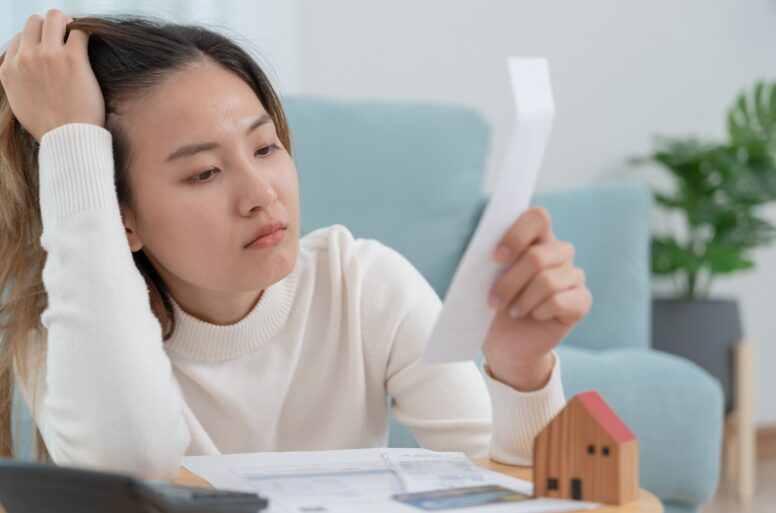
<point>129,56</point>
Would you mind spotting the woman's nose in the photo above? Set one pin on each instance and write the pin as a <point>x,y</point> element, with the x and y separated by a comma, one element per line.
<point>254,189</point>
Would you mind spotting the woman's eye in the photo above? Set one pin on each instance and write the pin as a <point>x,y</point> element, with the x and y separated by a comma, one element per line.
<point>203,176</point>
<point>267,150</point>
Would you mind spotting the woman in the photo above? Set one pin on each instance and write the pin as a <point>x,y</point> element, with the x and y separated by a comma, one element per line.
<point>159,301</point>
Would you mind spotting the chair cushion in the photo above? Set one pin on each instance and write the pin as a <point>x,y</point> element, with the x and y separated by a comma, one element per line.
<point>673,407</point>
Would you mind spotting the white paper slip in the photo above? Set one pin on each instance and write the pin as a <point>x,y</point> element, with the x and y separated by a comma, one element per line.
<point>359,480</point>
<point>423,471</point>
<point>466,316</point>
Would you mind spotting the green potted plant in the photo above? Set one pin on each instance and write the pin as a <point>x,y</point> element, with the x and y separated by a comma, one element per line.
<point>720,187</point>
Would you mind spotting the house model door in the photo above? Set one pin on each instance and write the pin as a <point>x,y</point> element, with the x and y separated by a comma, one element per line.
<point>576,489</point>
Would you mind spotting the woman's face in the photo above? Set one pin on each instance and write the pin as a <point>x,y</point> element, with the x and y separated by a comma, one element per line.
<point>195,209</point>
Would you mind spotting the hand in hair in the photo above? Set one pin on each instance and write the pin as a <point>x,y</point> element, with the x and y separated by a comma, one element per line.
<point>48,80</point>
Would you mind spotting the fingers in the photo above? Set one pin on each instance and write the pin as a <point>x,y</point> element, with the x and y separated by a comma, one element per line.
<point>532,226</point>
<point>46,84</point>
<point>31,33</point>
<point>47,32</point>
<point>13,47</point>
<point>544,285</point>
<point>77,42</point>
<point>53,34</point>
<point>536,258</point>
<point>569,306</point>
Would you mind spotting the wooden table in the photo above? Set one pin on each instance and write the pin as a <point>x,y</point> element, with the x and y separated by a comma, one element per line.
<point>644,503</point>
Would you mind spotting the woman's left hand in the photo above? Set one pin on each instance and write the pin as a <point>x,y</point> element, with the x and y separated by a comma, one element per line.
<point>546,292</point>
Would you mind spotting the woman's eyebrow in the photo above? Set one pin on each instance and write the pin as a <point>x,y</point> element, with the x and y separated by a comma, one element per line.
<point>192,149</point>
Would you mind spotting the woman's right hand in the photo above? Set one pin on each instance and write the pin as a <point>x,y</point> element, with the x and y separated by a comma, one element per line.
<point>50,82</point>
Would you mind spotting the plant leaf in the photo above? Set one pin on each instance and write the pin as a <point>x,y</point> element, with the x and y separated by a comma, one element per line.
<point>724,259</point>
<point>668,256</point>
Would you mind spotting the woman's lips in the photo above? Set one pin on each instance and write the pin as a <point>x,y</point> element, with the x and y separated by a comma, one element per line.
<point>265,229</point>
<point>268,240</point>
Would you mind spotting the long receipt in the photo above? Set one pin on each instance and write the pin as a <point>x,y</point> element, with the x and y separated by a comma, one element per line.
<point>466,317</point>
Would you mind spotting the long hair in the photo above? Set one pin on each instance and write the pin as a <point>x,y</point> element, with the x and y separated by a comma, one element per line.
<point>129,55</point>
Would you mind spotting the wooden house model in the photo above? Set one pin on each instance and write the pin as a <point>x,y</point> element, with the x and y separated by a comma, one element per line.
<point>587,453</point>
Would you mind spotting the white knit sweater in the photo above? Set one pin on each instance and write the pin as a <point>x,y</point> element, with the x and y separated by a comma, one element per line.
<point>309,368</point>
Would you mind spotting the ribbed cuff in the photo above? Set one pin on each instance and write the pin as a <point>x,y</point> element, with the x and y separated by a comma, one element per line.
<point>519,416</point>
<point>76,171</point>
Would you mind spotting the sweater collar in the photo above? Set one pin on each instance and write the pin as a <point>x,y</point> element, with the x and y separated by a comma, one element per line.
<point>200,340</point>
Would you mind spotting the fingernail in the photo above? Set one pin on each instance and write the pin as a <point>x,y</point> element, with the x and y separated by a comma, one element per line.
<point>514,312</point>
<point>502,254</point>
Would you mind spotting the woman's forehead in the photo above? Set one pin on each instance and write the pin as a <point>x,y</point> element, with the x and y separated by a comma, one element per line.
<point>194,103</point>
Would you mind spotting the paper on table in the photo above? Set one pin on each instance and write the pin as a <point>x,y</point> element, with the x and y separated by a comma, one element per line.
<point>466,317</point>
<point>420,471</point>
<point>358,480</point>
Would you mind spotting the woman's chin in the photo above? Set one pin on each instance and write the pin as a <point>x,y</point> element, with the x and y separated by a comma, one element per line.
<point>270,269</point>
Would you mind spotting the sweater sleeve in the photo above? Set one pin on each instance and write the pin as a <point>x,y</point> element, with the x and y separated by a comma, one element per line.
<point>452,406</point>
<point>519,416</point>
<point>110,399</point>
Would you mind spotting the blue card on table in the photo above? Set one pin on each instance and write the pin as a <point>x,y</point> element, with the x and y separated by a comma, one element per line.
<point>460,497</point>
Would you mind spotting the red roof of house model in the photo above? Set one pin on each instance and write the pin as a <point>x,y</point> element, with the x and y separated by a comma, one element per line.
<point>605,416</point>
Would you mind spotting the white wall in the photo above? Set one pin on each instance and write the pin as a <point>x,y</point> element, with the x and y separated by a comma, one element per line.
<point>622,71</point>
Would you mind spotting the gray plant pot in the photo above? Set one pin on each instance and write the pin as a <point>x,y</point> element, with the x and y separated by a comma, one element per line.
<point>703,331</point>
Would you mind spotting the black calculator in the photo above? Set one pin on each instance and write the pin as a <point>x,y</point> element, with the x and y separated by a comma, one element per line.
<point>27,487</point>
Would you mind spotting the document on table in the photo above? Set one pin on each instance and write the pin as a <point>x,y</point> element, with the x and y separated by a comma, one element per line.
<point>466,317</point>
<point>374,480</point>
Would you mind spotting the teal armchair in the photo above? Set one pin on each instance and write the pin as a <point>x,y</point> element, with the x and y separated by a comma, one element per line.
<point>410,175</point>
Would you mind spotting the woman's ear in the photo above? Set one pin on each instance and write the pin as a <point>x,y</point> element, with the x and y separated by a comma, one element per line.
<point>130,228</point>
